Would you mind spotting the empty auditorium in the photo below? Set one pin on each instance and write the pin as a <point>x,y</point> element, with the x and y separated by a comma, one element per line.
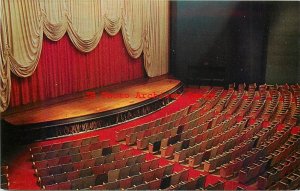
<point>150,95</point>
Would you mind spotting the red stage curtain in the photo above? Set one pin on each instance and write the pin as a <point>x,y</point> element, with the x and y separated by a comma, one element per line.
<point>63,70</point>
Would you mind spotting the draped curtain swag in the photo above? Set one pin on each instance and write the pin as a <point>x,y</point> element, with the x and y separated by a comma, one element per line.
<point>143,23</point>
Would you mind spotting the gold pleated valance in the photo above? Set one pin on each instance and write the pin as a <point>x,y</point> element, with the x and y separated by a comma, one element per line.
<point>143,23</point>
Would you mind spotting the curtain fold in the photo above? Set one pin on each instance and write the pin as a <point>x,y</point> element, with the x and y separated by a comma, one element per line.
<point>112,15</point>
<point>156,37</point>
<point>54,18</point>
<point>84,27</point>
<point>132,28</point>
<point>25,36</point>
<point>5,84</point>
<point>143,23</point>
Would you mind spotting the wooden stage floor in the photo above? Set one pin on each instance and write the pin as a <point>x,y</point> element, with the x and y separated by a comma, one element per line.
<point>92,102</point>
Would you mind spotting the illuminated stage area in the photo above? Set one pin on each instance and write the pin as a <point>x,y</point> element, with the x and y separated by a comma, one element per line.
<point>93,109</point>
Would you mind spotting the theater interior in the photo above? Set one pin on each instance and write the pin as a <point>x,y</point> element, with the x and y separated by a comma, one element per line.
<point>150,95</point>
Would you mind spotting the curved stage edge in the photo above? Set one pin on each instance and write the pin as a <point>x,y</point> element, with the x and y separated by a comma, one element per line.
<point>66,127</point>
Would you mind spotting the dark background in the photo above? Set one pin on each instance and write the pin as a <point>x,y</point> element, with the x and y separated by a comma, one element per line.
<point>225,42</point>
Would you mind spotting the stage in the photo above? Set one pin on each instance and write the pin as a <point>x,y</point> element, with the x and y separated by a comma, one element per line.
<point>91,110</point>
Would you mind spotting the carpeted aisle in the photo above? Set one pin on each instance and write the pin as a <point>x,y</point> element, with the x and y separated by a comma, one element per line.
<point>21,174</point>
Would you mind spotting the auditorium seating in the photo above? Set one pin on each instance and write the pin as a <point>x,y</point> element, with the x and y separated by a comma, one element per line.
<point>117,169</point>
<point>242,133</point>
<point>279,171</point>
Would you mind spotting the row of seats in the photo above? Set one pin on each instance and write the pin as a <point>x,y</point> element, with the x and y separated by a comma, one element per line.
<point>64,145</point>
<point>59,160</point>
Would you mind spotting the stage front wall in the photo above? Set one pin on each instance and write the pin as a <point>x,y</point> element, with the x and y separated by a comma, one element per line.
<point>62,69</point>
